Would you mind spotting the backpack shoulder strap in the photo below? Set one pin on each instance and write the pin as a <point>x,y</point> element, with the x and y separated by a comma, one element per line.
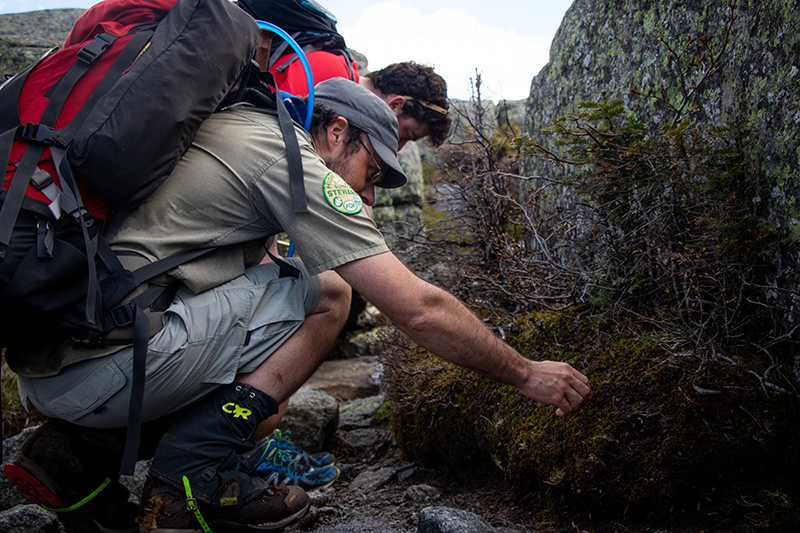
<point>132,49</point>
<point>279,51</point>
<point>258,94</point>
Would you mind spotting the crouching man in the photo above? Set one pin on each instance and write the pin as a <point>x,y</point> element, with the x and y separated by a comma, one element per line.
<point>240,337</point>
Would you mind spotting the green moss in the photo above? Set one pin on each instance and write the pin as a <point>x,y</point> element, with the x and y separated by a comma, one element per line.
<point>649,21</point>
<point>383,413</point>
<point>789,177</point>
<point>431,216</point>
<point>658,433</point>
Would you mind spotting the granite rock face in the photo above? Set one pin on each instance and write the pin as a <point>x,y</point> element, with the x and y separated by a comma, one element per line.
<point>615,47</point>
<point>25,37</point>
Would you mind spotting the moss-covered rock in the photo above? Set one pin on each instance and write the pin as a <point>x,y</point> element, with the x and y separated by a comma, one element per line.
<point>662,432</point>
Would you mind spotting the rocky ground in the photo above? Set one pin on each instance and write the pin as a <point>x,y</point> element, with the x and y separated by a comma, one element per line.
<point>380,492</point>
<point>377,491</point>
<point>391,496</point>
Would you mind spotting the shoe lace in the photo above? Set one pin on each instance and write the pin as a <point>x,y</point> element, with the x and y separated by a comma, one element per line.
<point>264,455</point>
<point>286,443</point>
<point>281,468</point>
<point>285,440</point>
<point>288,462</point>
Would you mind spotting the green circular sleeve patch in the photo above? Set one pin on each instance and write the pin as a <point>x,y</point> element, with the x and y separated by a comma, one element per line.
<point>340,195</point>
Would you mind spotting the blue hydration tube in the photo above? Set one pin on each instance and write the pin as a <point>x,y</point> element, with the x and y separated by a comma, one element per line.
<point>309,77</point>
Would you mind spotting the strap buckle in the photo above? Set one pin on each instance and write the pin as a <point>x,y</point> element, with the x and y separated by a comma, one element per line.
<point>41,179</point>
<point>40,133</point>
<point>89,53</point>
<point>84,215</point>
<point>123,314</point>
<point>191,504</point>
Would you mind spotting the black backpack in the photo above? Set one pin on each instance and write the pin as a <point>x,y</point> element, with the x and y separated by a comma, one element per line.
<point>118,108</point>
<point>312,26</point>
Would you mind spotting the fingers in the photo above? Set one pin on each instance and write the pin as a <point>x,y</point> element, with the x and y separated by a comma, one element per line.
<point>573,400</point>
<point>580,387</point>
<point>562,386</point>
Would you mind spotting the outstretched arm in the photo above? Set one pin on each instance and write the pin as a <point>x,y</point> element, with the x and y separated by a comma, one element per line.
<point>438,322</point>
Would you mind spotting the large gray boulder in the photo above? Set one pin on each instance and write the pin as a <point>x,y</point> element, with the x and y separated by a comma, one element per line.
<point>312,416</point>
<point>614,47</point>
<point>397,212</point>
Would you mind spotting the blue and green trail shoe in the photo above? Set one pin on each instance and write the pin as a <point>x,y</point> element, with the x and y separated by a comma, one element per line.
<point>278,467</point>
<point>312,460</point>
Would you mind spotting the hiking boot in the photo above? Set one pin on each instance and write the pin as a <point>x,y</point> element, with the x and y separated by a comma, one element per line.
<point>71,471</point>
<point>167,509</point>
<point>196,464</point>
<point>310,460</point>
<point>278,467</point>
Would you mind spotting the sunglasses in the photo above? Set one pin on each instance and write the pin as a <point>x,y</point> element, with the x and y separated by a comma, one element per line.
<point>376,174</point>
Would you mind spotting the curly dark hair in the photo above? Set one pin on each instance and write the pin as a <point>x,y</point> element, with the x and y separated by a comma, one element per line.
<point>323,116</point>
<point>423,84</point>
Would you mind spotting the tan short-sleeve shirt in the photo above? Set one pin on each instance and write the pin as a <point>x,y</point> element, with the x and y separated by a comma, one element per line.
<point>231,190</point>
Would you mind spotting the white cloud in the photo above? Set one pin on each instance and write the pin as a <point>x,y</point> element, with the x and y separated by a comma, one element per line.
<point>452,41</point>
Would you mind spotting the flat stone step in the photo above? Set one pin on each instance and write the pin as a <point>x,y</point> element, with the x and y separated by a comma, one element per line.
<point>348,379</point>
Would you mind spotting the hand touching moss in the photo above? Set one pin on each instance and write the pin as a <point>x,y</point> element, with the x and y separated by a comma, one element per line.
<point>556,384</point>
<point>438,322</point>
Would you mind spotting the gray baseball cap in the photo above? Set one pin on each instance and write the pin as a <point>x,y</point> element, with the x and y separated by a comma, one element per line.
<point>366,111</point>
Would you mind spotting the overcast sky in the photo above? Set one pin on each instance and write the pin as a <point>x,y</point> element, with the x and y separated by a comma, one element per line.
<point>507,42</point>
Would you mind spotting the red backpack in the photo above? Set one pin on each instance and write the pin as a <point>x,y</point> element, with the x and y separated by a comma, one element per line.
<point>94,43</point>
<point>100,124</point>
